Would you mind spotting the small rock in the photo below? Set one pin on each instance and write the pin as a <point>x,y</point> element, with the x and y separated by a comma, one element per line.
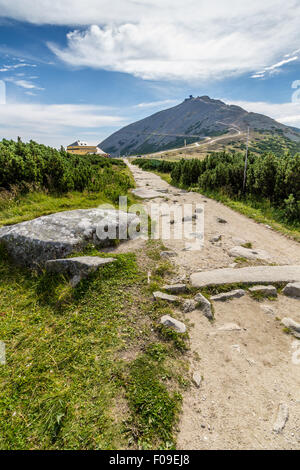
<point>189,306</point>
<point>267,309</point>
<point>2,353</point>
<point>171,322</point>
<point>162,296</point>
<point>292,325</point>
<point>198,210</point>
<point>249,253</point>
<point>229,327</point>
<point>221,221</point>
<point>233,294</point>
<point>167,254</point>
<point>204,305</point>
<point>292,289</point>
<point>264,290</point>
<point>215,239</point>
<point>75,280</point>
<point>175,288</point>
<point>197,379</point>
<point>282,417</point>
<point>238,241</point>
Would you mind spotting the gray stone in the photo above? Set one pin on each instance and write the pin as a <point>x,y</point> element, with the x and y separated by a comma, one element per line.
<point>198,210</point>
<point>81,265</point>
<point>247,275</point>
<point>239,241</point>
<point>146,193</point>
<point>220,220</point>
<point>53,236</point>
<point>2,353</point>
<point>215,239</point>
<point>292,289</point>
<point>264,290</point>
<point>197,379</point>
<point>175,288</point>
<point>229,327</point>
<point>167,297</point>
<point>233,294</point>
<point>249,253</point>
<point>189,305</point>
<point>281,418</point>
<point>167,254</point>
<point>292,325</point>
<point>171,322</point>
<point>204,305</point>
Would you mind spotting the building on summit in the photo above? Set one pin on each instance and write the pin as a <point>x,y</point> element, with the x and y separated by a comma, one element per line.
<point>83,148</point>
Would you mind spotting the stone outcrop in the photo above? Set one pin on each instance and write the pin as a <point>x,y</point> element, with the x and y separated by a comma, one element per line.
<point>171,322</point>
<point>233,294</point>
<point>58,235</point>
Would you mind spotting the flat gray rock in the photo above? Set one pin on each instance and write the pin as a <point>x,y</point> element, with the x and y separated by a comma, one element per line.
<point>233,294</point>
<point>146,193</point>
<point>248,253</point>
<point>204,305</point>
<point>264,290</point>
<point>229,327</point>
<point>175,288</point>
<point>292,325</point>
<point>81,265</point>
<point>292,289</point>
<point>171,322</point>
<point>248,275</point>
<point>53,236</point>
<point>281,418</point>
<point>167,297</point>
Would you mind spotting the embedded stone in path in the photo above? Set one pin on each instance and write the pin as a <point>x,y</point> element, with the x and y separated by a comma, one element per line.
<point>215,239</point>
<point>53,236</point>
<point>204,305</point>
<point>281,418</point>
<point>292,289</point>
<point>81,265</point>
<point>264,290</point>
<point>247,275</point>
<point>292,325</point>
<point>175,288</point>
<point>197,379</point>
<point>167,254</point>
<point>229,327</point>
<point>233,294</point>
<point>171,322</point>
<point>146,193</point>
<point>167,297</point>
<point>249,253</point>
<point>220,220</point>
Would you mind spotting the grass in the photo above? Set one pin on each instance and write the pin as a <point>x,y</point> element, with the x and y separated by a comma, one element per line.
<point>90,367</point>
<point>18,208</point>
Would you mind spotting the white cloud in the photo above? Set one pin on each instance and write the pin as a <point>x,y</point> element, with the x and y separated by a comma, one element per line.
<point>55,124</point>
<point>169,39</point>
<point>9,68</point>
<point>274,68</point>
<point>155,104</point>
<point>286,113</point>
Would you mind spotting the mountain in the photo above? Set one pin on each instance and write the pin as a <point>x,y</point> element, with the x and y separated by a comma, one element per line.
<point>193,119</point>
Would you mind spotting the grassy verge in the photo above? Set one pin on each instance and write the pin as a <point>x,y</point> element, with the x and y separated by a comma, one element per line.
<point>261,212</point>
<point>88,368</point>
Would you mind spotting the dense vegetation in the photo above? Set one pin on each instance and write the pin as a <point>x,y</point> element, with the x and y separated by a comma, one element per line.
<point>34,166</point>
<point>272,178</point>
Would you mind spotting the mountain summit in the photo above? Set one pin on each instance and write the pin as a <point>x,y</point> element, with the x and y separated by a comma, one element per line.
<point>193,119</point>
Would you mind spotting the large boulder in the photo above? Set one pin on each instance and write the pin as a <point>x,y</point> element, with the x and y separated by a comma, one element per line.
<point>53,236</point>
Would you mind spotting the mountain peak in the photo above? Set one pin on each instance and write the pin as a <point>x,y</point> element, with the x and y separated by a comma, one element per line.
<point>192,120</point>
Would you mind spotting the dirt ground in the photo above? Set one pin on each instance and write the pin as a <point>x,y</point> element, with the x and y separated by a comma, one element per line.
<point>246,373</point>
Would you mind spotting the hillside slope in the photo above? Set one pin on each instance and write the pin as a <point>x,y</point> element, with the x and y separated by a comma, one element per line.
<point>192,120</point>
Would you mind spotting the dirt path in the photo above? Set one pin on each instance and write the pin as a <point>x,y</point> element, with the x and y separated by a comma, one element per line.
<point>246,373</point>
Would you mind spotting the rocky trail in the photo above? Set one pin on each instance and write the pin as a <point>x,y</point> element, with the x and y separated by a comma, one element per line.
<point>246,389</point>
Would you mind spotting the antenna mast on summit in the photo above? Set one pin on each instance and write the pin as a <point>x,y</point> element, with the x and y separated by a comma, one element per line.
<point>246,162</point>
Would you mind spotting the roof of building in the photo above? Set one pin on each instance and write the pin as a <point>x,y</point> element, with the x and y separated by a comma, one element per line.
<point>79,143</point>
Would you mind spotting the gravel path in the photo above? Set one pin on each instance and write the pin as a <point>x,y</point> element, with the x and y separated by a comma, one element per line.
<point>247,373</point>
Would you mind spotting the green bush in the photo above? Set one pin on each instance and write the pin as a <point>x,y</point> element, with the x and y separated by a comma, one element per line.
<point>33,165</point>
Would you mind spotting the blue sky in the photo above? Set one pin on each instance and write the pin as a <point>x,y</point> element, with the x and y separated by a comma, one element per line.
<point>78,69</point>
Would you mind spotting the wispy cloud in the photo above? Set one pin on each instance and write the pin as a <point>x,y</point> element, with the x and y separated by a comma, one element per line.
<point>28,85</point>
<point>286,113</point>
<point>169,39</point>
<point>56,124</point>
<point>274,68</point>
